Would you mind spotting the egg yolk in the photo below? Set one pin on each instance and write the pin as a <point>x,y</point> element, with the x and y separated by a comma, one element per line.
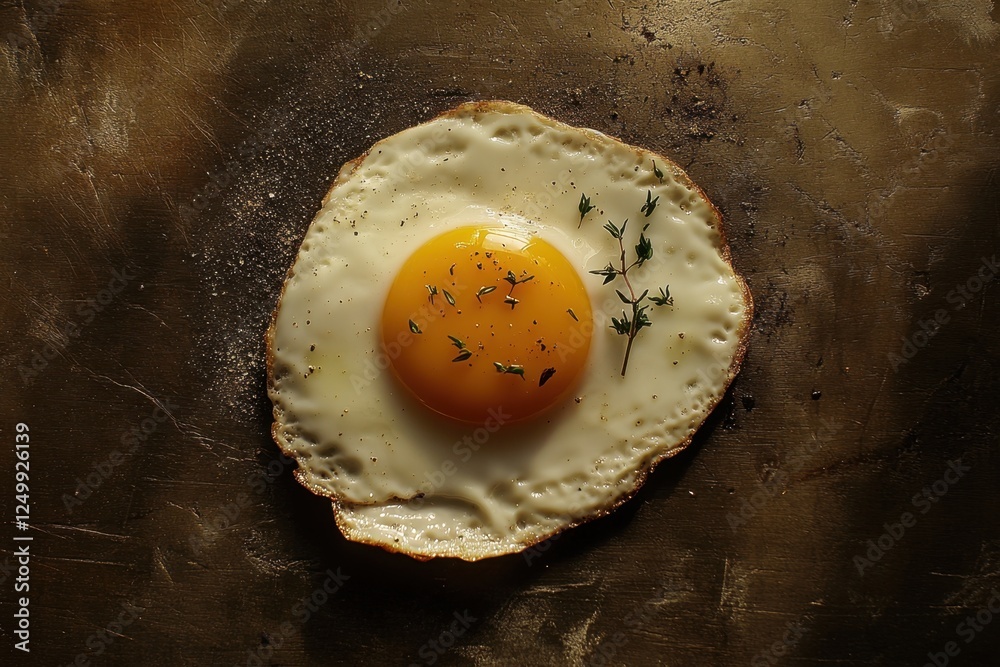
<point>482,321</point>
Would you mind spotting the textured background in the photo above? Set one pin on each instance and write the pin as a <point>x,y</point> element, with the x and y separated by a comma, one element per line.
<point>853,147</point>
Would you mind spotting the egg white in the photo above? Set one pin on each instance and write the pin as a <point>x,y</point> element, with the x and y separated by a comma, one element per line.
<point>411,481</point>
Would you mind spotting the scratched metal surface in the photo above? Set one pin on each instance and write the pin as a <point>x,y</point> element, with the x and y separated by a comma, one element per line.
<point>853,148</point>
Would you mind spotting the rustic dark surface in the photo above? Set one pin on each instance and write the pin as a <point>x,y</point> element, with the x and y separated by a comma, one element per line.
<point>852,146</point>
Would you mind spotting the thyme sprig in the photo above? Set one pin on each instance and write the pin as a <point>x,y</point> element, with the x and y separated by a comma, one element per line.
<point>432,291</point>
<point>514,282</point>
<point>631,325</point>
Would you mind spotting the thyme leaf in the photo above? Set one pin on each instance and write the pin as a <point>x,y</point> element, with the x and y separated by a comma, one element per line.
<point>609,272</point>
<point>483,291</point>
<point>650,204</point>
<point>615,231</point>
<point>584,207</point>
<point>664,299</point>
<point>513,369</point>
<point>643,250</point>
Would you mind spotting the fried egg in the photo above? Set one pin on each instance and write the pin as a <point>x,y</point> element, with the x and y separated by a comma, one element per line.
<point>451,361</point>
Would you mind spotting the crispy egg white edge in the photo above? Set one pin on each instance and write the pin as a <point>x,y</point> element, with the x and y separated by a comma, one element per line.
<point>360,521</point>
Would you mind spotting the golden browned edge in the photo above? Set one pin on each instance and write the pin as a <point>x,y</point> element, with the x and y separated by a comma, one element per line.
<point>502,106</point>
